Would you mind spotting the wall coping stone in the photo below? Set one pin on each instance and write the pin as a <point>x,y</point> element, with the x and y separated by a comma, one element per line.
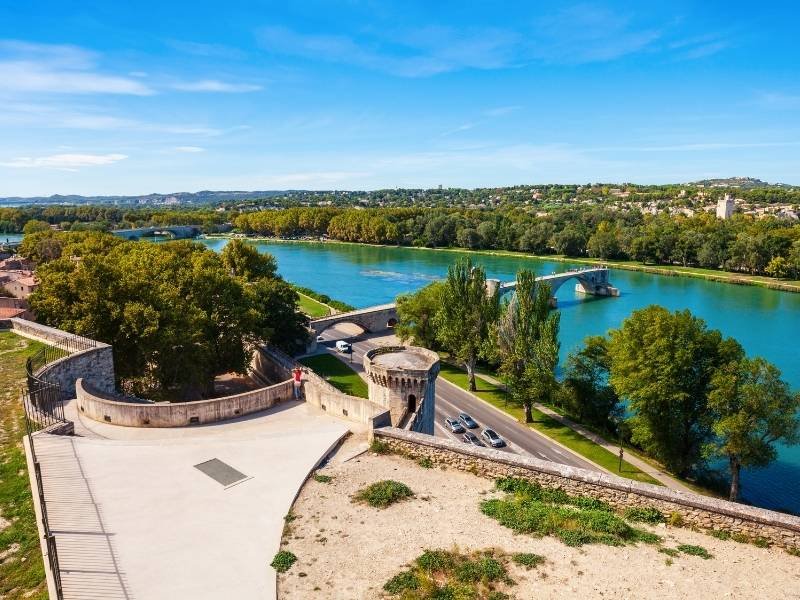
<point>714,505</point>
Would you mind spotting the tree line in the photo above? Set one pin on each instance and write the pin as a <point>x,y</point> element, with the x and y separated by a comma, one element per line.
<point>675,389</point>
<point>177,314</point>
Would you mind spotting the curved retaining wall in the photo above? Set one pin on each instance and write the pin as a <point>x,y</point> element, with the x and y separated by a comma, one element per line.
<point>94,405</point>
<point>777,528</point>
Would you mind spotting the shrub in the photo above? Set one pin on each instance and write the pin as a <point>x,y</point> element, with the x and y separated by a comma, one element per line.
<point>401,582</point>
<point>644,515</point>
<point>383,493</point>
<point>695,551</point>
<point>322,478</point>
<point>669,551</point>
<point>528,559</point>
<point>379,447</point>
<point>675,519</point>
<point>425,463</point>
<point>450,575</point>
<point>793,551</point>
<point>761,542</point>
<point>283,561</point>
<point>719,534</point>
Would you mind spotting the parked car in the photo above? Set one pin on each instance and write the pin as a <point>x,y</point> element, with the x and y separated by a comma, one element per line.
<point>343,347</point>
<point>471,438</point>
<point>467,421</point>
<point>491,437</point>
<point>454,425</point>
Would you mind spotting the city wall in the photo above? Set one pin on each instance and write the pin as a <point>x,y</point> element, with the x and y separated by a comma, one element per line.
<point>778,529</point>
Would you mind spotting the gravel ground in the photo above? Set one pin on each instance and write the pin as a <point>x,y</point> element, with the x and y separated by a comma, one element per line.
<point>349,551</point>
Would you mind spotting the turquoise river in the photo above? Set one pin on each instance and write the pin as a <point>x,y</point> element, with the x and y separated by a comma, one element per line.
<point>766,322</point>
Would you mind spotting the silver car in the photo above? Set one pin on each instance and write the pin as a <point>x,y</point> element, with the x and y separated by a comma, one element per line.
<point>491,437</point>
<point>454,425</point>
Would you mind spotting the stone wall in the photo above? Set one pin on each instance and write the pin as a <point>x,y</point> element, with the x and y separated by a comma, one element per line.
<point>695,510</point>
<point>103,407</point>
<point>320,393</point>
<point>95,364</point>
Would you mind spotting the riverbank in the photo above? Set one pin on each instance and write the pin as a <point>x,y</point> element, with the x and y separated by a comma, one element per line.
<point>668,271</point>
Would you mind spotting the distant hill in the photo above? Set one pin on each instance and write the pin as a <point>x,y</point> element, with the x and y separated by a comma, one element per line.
<point>204,197</point>
<point>747,183</point>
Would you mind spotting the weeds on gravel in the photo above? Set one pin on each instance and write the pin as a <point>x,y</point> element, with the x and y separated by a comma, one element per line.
<point>442,574</point>
<point>529,508</point>
<point>379,447</point>
<point>695,551</point>
<point>383,493</point>
<point>320,478</point>
<point>528,559</point>
<point>649,515</point>
<point>283,561</point>
<point>425,462</point>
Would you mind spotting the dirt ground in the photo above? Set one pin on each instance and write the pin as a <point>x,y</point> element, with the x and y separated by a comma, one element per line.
<point>349,551</point>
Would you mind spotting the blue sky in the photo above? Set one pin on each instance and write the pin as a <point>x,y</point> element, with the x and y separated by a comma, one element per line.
<point>131,98</point>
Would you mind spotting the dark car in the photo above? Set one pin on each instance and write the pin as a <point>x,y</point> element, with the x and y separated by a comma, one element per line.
<point>467,421</point>
<point>471,438</point>
<point>491,437</point>
<point>454,425</point>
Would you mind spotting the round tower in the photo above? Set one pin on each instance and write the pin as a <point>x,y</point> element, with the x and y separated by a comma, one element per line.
<point>403,379</point>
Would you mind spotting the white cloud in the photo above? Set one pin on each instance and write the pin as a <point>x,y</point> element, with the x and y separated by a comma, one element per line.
<point>59,69</point>
<point>189,149</point>
<point>214,85</point>
<point>501,110</point>
<point>63,161</point>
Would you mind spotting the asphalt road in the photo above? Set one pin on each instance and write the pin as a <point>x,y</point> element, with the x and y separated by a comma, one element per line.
<point>452,400</point>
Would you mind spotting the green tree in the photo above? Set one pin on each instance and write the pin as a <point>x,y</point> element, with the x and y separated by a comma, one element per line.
<point>277,319</point>
<point>527,341</point>
<point>753,410</point>
<point>416,313</point>
<point>589,396</point>
<point>467,313</point>
<point>662,363</point>
<point>244,260</point>
<point>34,226</point>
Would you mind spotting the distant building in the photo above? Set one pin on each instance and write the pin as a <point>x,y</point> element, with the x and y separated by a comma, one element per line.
<point>725,207</point>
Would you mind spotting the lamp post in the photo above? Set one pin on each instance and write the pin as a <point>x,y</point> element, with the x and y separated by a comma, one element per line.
<point>618,424</point>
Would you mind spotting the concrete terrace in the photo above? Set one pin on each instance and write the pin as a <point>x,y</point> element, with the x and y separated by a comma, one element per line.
<point>135,519</point>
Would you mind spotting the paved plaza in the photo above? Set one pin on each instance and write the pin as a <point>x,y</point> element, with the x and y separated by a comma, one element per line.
<point>192,512</point>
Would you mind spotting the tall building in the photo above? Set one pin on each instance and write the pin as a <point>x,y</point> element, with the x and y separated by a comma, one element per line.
<point>725,207</point>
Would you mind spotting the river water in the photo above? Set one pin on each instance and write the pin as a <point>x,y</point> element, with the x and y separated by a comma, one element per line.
<point>766,322</point>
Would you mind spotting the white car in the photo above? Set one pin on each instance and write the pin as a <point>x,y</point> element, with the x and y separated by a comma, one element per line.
<point>343,347</point>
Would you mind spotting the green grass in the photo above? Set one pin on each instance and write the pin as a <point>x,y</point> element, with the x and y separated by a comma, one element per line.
<point>442,574</point>
<point>22,571</point>
<point>531,509</point>
<point>383,493</point>
<point>311,307</point>
<point>337,373</point>
<point>495,396</point>
<point>320,478</point>
<point>528,559</point>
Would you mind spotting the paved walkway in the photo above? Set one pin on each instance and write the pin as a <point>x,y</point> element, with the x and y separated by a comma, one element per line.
<point>643,466</point>
<point>135,519</point>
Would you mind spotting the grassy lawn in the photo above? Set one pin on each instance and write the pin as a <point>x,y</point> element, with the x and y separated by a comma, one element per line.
<point>22,570</point>
<point>546,425</point>
<point>313,308</point>
<point>337,373</point>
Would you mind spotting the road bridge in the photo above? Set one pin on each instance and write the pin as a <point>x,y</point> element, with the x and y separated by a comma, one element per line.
<point>372,320</point>
<point>177,232</point>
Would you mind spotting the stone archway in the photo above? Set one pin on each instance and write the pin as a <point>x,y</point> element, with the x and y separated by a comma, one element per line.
<point>412,403</point>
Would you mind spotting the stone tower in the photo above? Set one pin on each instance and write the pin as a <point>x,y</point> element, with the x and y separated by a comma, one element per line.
<point>403,379</point>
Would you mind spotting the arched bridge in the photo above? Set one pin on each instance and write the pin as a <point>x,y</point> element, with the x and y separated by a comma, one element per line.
<point>177,232</point>
<point>372,319</point>
<point>589,280</point>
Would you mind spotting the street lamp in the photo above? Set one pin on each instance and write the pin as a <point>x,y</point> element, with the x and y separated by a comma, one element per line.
<point>618,425</point>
